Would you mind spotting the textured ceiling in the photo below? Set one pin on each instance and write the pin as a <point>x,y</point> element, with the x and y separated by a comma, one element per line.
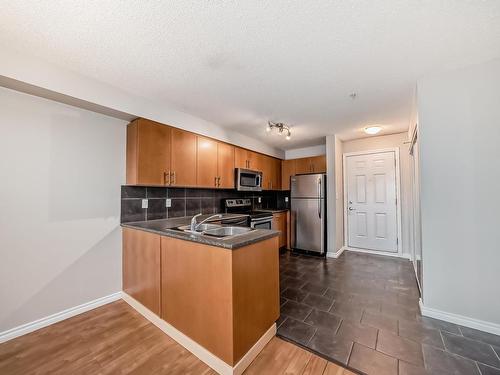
<point>239,64</point>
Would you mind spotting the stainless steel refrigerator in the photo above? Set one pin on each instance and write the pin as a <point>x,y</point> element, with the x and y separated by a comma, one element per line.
<point>308,212</point>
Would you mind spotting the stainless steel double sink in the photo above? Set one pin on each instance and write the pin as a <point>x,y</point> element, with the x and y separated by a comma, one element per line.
<point>215,230</point>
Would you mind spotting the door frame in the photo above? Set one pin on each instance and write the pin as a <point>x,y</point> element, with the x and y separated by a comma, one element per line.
<point>345,155</point>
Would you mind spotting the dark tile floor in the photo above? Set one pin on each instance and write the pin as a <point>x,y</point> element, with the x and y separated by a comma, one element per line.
<point>362,311</point>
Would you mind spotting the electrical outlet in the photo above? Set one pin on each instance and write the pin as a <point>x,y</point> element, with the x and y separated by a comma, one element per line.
<point>144,203</point>
<point>168,203</point>
<point>286,199</point>
<point>259,200</point>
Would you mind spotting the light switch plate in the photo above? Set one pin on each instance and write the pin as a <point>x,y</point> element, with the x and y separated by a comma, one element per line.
<point>144,203</point>
<point>286,199</point>
<point>168,203</point>
<point>259,199</point>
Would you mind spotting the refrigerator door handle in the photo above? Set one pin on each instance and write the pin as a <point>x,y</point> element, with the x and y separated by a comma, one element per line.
<point>319,197</point>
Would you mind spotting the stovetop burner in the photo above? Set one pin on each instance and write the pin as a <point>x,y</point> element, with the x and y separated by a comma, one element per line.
<point>244,206</point>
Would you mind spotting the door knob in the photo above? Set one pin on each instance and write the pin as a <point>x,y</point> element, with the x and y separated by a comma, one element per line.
<point>352,209</point>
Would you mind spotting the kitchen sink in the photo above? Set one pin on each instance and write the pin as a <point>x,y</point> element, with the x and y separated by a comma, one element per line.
<point>215,230</point>
<point>199,229</point>
<point>227,231</point>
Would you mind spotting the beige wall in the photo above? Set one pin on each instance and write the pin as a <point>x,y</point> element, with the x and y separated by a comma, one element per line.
<point>458,119</point>
<point>391,141</point>
<point>60,170</point>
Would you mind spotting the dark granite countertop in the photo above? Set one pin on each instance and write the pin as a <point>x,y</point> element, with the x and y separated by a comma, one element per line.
<point>165,227</point>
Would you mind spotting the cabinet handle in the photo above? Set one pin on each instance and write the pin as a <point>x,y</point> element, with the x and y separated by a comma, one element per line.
<point>172,178</point>
<point>165,175</point>
<point>215,181</point>
<point>218,181</point>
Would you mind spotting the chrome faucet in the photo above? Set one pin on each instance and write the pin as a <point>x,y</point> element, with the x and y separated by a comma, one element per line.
<point>194,225</point>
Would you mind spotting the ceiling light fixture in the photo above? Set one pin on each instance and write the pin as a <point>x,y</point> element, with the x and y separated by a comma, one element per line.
<point>372,130</point>
<point>280,127</point>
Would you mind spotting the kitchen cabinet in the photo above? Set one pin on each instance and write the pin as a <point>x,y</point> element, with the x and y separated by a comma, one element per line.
<point>302,166</point>
<point>316,164</point>
<point>279,223</point>
<point>271,172</point>
<point>183,158</point>
<point>247,159</point>
<point>287,171</point>
<point>148,153</point>
<point>225,165</point>
<point>158,154</point>
<point>206,162</point>
<point>215,163</point>
<point>277,174</point>
<point>141,267</point>
<point>223,300</point>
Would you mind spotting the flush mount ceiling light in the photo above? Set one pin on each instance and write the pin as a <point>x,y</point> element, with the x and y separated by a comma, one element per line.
<point>280,127</point>
<point>372,130</point>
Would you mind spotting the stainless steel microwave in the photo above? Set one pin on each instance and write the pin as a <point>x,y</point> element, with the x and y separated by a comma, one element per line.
<point>248,180</point>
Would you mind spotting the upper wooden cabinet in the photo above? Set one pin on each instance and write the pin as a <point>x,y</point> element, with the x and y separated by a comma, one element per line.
<point>158,154</point>
<point>225,165</point>
<point>247,159</point>
<point>207,162</point>
<point>276,174</point>
<point>271,172</point>
<point>215,163</point>
<point>183,158</point>
<point>148,153</point>
<point>287,170</point>
<point>316,164</point>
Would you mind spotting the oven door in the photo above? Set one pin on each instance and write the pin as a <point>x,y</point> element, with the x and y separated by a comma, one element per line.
<point>263,223</point>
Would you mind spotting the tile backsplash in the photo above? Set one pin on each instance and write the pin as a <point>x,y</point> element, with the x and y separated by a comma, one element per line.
<point>189,201</point>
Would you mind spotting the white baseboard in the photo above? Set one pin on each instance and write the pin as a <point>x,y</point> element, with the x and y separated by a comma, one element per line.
<point>376,252</point>
<point>199,351</point>
<point>57,317</point>
<point>335,254</point>
<point>254,351</point>
<point>460,319</point>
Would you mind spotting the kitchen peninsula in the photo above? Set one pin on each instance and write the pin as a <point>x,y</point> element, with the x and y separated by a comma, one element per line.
<point>217,295</point>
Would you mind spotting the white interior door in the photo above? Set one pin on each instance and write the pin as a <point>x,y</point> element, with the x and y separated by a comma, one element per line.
<point>371,201</point>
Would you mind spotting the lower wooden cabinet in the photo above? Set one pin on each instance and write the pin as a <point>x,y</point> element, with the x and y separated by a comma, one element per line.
<point>280,223</point>
<point>141,267</point>
<point>224,300</point>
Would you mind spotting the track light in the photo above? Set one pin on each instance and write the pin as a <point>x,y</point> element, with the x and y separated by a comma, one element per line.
<point>280,127</point>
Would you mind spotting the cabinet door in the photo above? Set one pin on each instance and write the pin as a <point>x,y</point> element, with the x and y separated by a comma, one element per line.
<point>277,174</point>
<point>265,166</point>
<point>287,170</point>
<point>141,267</point>
<point>241,158</point>
<point>148,153</point>
<point>183,158</point>
<point>279,223</point>
<point>206,162</point>
<point>319,164</point>
<point>303,165</point>
<point>255,161</point>
<point>225,165</point>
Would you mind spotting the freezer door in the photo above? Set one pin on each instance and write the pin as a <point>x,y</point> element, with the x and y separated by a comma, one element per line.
<point>307,186</point>
<point>307,216</point>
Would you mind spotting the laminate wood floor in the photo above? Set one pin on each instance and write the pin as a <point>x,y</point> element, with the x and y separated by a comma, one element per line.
<point>115,339</point>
